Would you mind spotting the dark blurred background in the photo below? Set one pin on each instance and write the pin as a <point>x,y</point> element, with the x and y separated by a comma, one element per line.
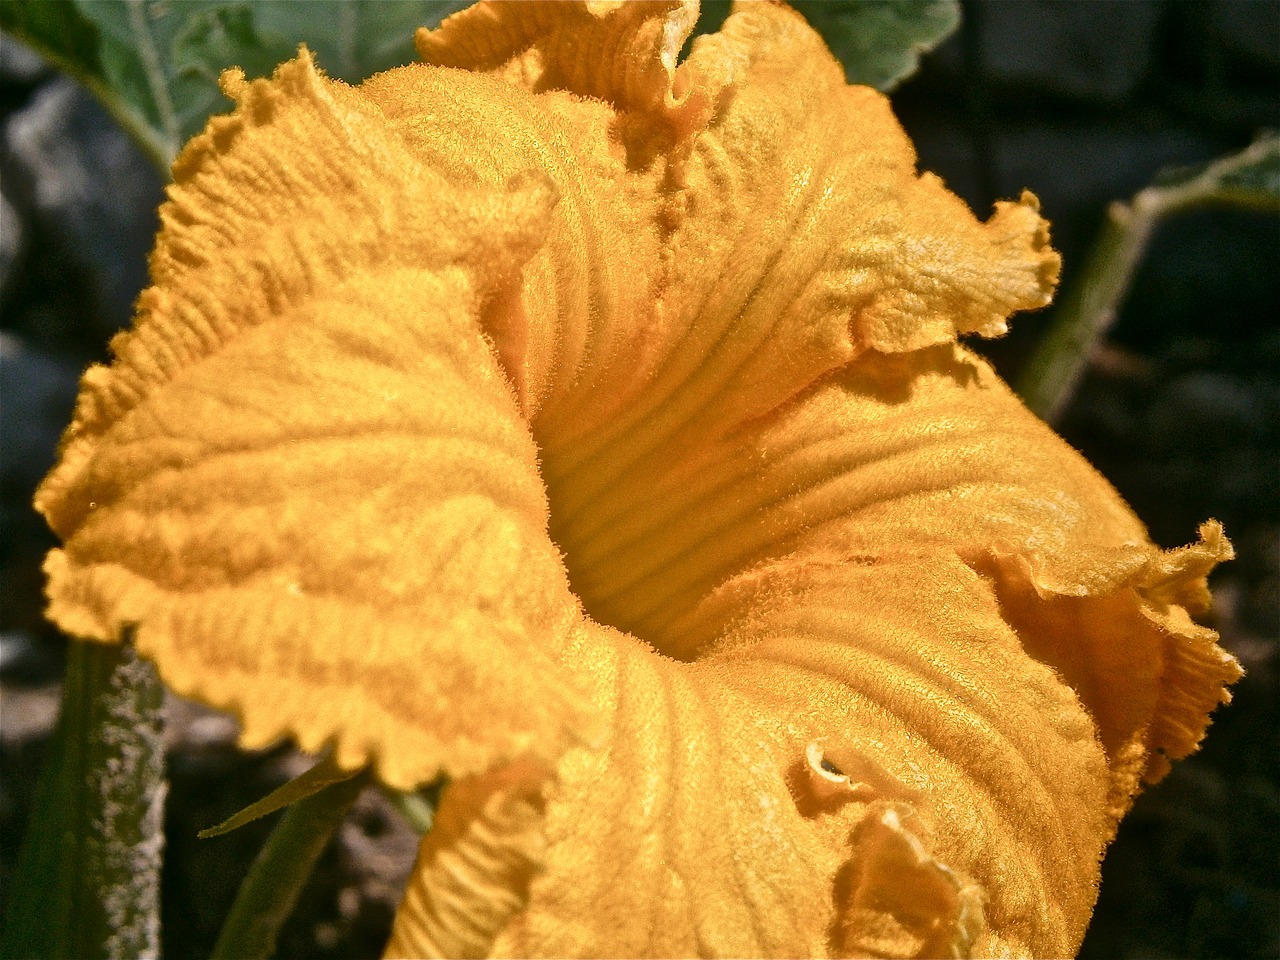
<point>1082,101</point>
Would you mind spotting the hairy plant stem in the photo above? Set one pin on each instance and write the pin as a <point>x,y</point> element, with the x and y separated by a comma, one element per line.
<point>268,894</point>
<point>87,883</point>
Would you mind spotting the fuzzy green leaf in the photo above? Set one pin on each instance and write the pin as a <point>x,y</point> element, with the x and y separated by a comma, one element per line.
<point>319,777</point>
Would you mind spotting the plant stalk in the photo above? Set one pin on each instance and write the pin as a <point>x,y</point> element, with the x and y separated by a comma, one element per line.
<point>1090,306</point>
<point>1089,309</point>
<point>87,883</point>
<point>270,891</point>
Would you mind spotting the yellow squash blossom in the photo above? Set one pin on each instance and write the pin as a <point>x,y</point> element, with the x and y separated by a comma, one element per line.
<point>591,427</point>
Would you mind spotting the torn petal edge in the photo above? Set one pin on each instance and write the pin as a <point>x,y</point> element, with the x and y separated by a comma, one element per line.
<point>836,773</point>
<point>1159,591</point>
<point>895,899</point>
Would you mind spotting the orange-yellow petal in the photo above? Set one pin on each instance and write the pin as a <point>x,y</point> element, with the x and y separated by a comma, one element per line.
<point>305,480</point>
<point>931,451</point>
<point>869,662</point>
<point>795,235</point>
<point>871,757</point>
<point>771,216</point>
<point>822,503</point>
<point>476,865</point>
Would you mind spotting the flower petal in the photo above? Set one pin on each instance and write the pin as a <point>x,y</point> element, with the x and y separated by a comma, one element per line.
<point>772,217</point>
<point>932,451</point>
<point>623,53</point>
<point>677,838</point>
<point>305,479</point>
<point>868,758</point>
<point>771,238</point>
<point>929,451</point>
<point>908,568</point>
<point>571,327</point>
<point>902,663</point>
<point>475,865</point>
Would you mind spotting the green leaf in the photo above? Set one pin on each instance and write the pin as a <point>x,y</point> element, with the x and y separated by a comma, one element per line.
<point>155,63</point>
<point>880,41</point>
<point>269,892</point>
<point>87,882</point>
<point>354,39</point>
<point>58,31</point>
<point>323,775</point>
<point>209,41</point>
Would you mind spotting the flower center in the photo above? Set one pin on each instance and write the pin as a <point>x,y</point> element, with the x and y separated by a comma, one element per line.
<point>645,538</point>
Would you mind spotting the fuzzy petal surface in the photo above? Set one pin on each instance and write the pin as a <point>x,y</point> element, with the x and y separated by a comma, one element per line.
<point>591,426</point>
<point>305,480</point>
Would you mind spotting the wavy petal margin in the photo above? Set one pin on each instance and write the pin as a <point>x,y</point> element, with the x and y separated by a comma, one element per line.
<point>304,479</point>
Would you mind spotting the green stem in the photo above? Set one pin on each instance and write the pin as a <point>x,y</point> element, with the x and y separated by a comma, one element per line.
<point>87,883</point>
<point>1089,308</point>
<point>270,891</point>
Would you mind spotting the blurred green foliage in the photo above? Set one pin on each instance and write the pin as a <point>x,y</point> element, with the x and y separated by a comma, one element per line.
<point>880,41</point>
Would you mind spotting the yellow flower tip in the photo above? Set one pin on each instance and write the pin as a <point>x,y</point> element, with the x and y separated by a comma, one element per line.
<point>255,101</point>
<point>623,53</point>
<point>966,277</point>
<point>1029,244</point>
<point>1180,576</point>
<point>232,83</point>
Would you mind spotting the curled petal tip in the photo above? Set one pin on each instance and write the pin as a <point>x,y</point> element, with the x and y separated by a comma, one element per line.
<point>899,900</point>
<point>232,82</point>
<point>623,53</point>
